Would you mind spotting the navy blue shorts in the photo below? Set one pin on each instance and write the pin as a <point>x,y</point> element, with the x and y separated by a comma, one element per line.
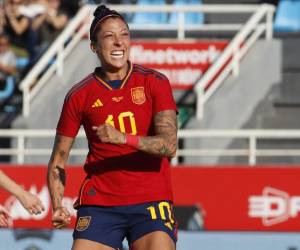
<point>109,225</point>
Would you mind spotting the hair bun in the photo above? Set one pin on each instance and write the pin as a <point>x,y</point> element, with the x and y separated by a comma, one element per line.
<point>101,10</point>
<point>100,13</point>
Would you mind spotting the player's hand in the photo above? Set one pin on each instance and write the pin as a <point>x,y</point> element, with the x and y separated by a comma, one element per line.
<point>108,134</point>
<point>61,218</point>
<point>5,218</point>
<point>31,203</point>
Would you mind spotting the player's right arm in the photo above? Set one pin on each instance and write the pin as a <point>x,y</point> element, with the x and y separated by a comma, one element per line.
<point>56,179</point>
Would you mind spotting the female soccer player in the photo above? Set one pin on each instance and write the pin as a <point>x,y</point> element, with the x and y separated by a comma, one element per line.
<point>129,116</point>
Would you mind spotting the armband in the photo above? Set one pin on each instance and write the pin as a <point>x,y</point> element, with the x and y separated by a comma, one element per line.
<point>132,140</point>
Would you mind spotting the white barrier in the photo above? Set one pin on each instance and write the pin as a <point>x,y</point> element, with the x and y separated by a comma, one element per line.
<point>229,60</point>
<point>20,150</point>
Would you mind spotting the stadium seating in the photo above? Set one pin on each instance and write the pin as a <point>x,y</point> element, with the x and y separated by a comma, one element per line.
<point>288,16</point>
<point>150,17</point>
<point>289,87</point>
<point>128,16</point>
<point>190,18</point>
<point>232,1</point>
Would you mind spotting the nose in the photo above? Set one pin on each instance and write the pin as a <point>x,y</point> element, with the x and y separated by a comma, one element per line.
<point>117,40</point>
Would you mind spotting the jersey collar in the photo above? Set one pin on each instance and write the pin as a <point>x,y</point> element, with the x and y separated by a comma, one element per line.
<point>106,85</point>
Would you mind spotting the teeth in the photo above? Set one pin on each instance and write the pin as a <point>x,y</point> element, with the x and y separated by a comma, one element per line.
<point>117,53</point>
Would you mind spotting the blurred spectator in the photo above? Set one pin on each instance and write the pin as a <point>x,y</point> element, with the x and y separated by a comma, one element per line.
<point>16,26</point>
<point>33,8</point>
<point>49,24</point>
<point>2,18</point>
<point>7,60</point>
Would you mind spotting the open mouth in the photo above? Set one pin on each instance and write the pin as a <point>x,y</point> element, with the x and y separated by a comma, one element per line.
<point>117,53</point>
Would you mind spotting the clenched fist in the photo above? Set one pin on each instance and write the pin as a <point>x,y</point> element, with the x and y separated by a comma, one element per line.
<point>61,218</point>
<point>108,134</point>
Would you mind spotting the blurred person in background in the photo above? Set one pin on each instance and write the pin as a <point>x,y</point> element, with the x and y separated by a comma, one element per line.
<point>29,201</point>
<point>129,116</point>
<point>7,60</point>
<point>2,18</point>
<point>48,25</point>
<point>33,8</point>
<point>17,27</point>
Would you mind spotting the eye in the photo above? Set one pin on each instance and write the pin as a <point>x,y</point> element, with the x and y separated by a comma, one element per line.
<point>107,35</point>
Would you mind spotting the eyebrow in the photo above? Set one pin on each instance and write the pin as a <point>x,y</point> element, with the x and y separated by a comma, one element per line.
<point>110,31</point>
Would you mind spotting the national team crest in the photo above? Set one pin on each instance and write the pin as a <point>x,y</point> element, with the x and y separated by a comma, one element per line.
<point>83,223</point>
<point>138,95</point>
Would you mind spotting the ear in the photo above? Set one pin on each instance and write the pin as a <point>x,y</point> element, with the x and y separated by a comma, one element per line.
<point>93,47</point>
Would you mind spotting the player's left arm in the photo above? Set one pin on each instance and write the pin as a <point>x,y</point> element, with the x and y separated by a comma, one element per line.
<point>163,143</point>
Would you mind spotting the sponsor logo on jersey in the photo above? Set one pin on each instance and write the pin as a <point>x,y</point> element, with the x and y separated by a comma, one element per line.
<point>83,223</point>
<point>138,95</point>
<point>117,98</point>
<point>273,206</point>
<point>97,104</point>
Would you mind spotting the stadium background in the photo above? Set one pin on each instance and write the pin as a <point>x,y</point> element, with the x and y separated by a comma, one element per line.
<point>236,84</point>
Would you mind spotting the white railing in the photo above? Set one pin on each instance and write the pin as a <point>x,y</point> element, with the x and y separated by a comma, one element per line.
<point>252,137</point>
<point>229,60</point>
<point>53,60</point>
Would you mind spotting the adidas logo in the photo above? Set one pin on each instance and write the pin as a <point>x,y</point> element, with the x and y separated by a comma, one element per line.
<point>97,103</point>
<point>91,192</point>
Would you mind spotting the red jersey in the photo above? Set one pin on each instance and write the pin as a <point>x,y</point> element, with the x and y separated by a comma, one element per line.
<point>120,174</point>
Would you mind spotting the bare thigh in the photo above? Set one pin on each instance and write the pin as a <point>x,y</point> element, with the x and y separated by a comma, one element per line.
<point>158,240</point>
<point>82,244</point>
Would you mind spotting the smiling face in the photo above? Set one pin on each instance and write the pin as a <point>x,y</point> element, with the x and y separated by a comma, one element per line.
<point>112,45</point>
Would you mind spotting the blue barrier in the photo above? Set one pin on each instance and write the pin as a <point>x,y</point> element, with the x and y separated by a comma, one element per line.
<point>191,17</point>
<point>287,17</point>
<point>147,17</point>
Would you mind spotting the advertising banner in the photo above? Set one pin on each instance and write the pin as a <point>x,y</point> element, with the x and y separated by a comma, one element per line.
<point>33,179</point>
<point>223,198</point>
<point>182,62</point>
<point>260,198</point>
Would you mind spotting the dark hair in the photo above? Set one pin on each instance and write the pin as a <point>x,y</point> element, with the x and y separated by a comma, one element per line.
<point>100,14</point>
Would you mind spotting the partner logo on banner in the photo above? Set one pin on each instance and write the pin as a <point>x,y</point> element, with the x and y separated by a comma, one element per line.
<point>159,56</point>
<point>183,63</point>
<point>273,206</point>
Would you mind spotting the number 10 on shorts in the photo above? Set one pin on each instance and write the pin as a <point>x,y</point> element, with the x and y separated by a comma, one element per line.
<point>160,210</point>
